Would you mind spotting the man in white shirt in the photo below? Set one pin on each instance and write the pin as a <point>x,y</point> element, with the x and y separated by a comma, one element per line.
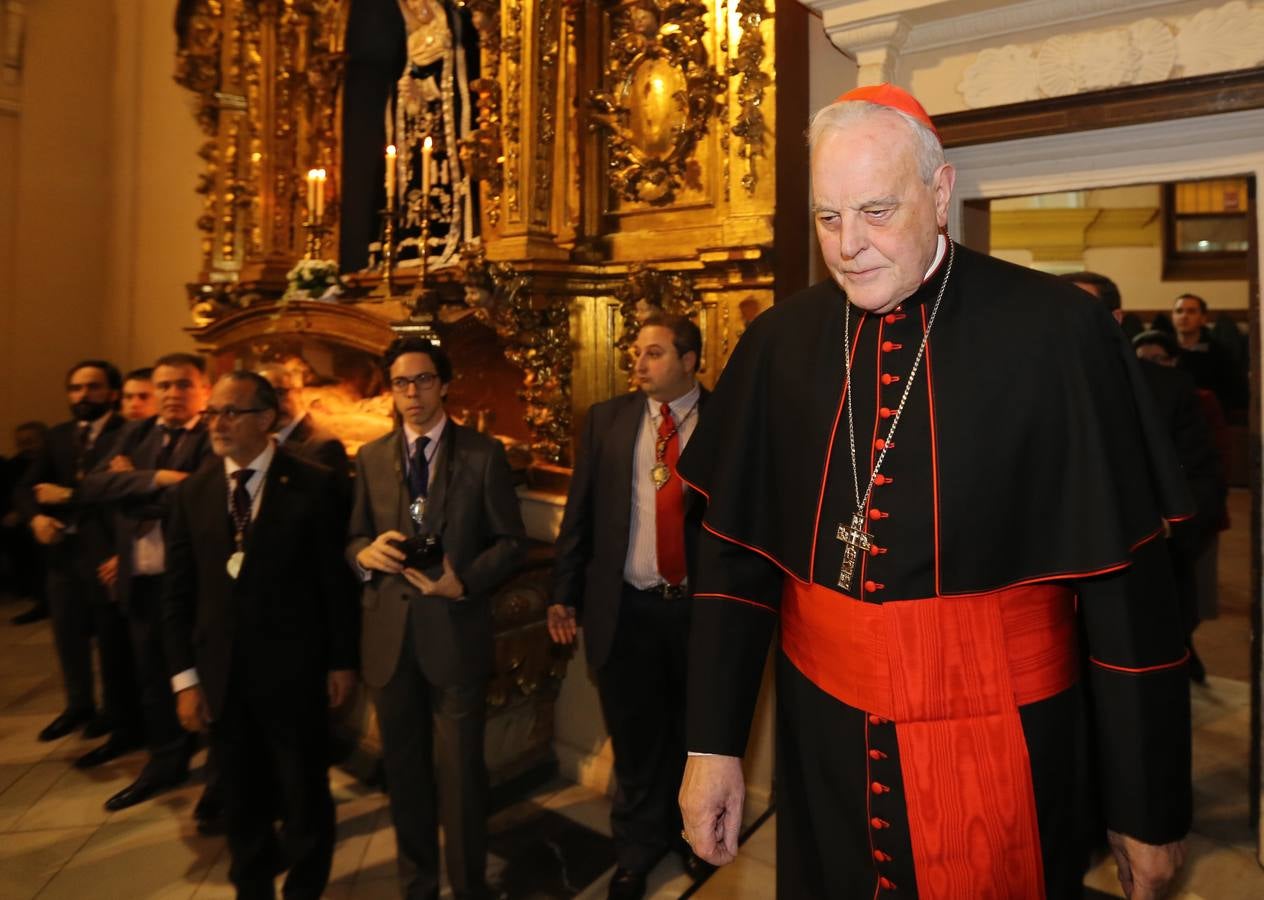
<point>623,555</point>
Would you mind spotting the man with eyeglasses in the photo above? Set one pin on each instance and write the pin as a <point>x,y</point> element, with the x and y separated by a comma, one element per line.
<point>426,641</point>
<point>273,607</point>
<point>151,457</point>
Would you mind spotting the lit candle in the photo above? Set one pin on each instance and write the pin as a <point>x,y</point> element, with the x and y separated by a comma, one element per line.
<point>311,194</point>
<point>426,148</point>
<point>320,195</point>
<point>390,176</point>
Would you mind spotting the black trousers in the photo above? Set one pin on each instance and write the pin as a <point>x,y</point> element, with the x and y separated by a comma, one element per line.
<point>432,751</point>
<point>70,602</point>
<point>273,747</point>
<point>169,744</point>
<point>120,688</point>
<point>642,691</point>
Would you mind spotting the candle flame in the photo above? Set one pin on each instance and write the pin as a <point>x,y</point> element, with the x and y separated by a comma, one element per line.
<point>391,151</point>
<point>429,143</point>
<point>311,174</point>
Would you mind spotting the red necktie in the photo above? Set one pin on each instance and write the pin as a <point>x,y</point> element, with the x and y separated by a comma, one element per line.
<point>669,507</point>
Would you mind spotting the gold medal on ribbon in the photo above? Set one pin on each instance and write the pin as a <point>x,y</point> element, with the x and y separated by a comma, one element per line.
<point>661,474</point>
<point>233,566</point>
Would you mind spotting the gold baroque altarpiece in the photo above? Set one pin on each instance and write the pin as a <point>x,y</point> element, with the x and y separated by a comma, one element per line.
<point>590,161</point>
<point>617,156</point>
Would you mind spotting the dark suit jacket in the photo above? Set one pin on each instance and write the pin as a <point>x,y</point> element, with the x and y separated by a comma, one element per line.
<point>55,464</point>
<point>311,442</point>
<point>592,545</point>
<point>132,497</point>
<point>474,508</point>
<point>290,615</point>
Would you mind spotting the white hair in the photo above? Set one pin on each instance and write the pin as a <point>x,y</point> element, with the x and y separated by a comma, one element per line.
<point>926,146</point>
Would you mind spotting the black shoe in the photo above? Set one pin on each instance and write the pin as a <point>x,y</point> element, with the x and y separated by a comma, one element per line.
<point>36,613</point>
<point>140,790</point>
<point>64,724</point>
<point>209,814</point>
<point>118,745</point>
<point>98,727</point>
<point>626,885</point>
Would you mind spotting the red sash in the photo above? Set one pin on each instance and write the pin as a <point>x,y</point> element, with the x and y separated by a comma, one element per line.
<point>950,673</point>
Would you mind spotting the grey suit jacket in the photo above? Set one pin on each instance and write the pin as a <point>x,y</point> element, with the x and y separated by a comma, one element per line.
<point>474,508</point>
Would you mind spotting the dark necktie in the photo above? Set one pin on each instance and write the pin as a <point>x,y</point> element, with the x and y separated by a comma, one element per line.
<point>419,471</point>
<point>241,504</point>
<point>82,447</point>
<point>171,440</point>
<point>669,506</point>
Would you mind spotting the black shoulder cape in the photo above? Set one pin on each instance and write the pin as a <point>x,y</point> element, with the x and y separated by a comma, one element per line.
<point>1052,460</point>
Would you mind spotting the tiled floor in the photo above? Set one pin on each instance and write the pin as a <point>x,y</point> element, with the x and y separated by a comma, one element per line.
<point>57,841</point>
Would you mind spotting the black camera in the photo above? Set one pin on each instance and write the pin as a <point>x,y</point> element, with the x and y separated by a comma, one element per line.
<point>423,552</point>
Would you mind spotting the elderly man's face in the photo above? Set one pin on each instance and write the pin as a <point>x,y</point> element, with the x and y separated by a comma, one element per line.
<point>875,217</point>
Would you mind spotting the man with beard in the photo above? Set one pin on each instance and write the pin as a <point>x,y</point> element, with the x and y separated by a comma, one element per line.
<point>152,457</point>
<point>77,543</point>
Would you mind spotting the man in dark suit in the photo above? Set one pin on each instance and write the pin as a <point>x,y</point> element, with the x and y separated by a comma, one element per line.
<point>77,544</point>
<point>151,457</point>
<point>426,645</point>
<point>295,429</point>
<point>626,543</point>
<point>259,620</point>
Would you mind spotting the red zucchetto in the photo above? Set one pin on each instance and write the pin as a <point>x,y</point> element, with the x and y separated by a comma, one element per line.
<point>889,95</point>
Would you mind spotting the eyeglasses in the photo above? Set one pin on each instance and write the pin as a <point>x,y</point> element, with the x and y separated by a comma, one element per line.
<point>399,384</point>
<point>229,414</point>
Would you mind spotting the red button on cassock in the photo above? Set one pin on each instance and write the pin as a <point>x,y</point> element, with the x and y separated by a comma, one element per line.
<point>880,856</point>
<point>879,444</point>
<point>875,550</point>
<point>886,413</point>
<point>877,514</point>
<point>880,479</point>
<point>872,586</point>
<point>886,883</point>
<point>893,317</point>
<point>888,346</point>
<point>879,788</point>
<point>877,754</point>
<point>888,378</point>
<point>879,824</point>
<point>875,720</point>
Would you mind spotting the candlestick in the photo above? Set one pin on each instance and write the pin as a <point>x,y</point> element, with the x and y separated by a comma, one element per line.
<point>320,195</point>
<point>390,177</point>
<point>426,150</point>
<point>311,194</point>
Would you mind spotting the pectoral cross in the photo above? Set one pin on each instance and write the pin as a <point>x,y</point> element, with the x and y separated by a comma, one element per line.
<point>856,538</point>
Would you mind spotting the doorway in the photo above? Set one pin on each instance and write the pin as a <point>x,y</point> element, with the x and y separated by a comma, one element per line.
<point>1188,149</point>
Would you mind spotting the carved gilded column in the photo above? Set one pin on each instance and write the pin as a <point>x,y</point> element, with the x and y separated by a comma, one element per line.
<point>532,54</point>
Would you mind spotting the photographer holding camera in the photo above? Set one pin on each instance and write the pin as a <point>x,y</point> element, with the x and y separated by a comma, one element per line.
<point>435,529</point>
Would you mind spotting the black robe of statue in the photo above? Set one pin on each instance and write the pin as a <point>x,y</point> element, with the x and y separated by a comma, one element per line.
<point>1028,451</point>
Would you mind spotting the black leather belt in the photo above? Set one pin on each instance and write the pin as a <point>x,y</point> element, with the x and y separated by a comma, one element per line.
<point>664,590</point>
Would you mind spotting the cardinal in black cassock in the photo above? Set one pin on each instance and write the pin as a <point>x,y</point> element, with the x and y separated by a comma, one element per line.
<point>940,474</point>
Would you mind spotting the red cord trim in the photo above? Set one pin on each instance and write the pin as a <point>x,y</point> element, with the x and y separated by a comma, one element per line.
<point>829,451</point>
<point>764,606</point>
<point>1143,670</point>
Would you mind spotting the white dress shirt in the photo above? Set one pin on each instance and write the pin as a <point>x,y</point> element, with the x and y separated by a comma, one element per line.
<point>149,556</point>
<point>254,486</point>
<point>640,569</point>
